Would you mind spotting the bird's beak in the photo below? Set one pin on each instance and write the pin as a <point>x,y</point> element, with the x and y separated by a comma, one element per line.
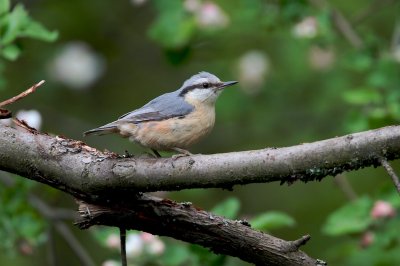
<point>226,84</point>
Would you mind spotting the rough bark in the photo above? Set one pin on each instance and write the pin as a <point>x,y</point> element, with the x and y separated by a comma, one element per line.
<point>74,166</point>
<point>106,182</point>
<point>184,222</point>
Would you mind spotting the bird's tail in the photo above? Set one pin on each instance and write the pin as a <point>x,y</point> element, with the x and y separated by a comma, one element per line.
<point>106,129</point>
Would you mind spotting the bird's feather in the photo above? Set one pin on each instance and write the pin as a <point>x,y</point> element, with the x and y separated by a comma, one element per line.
<point>166,106</point>
<point>163,107</point>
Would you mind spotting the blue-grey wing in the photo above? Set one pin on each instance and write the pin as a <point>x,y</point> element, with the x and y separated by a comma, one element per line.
<point>166,106</point>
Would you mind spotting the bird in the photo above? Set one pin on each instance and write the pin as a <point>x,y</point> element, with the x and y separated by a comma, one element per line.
<point>172,121</point>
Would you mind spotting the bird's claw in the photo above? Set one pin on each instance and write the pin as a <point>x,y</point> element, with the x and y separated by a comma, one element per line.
<point>180,155</point>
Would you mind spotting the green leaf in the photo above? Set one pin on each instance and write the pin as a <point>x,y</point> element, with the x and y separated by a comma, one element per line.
<point>362,96</point>
<point>173,27</point>
<point>351,218</point>
<point>272,220</point>
<point>37,31</point>
<point>10,52</point>
<point>19,24</point>
<point>360,61</point>
<point>4,6</point>
<point>176,255</point>
<point>103,233</point>
<point>229,208</point>
<point>17,20</point>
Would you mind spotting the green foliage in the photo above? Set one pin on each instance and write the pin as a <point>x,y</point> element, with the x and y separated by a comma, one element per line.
<point>17,23</point>
<point>362,96</point>
<point>173,27</point>
<point>19,221</point>
<point>228,208</point>
<point>177,255</point>
<point>373,241</point>
<point>272,220</point>
<point>357,90</point>
<point>351,218</point>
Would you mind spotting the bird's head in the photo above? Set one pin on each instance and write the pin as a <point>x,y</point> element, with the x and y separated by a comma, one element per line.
<point>203,88</point>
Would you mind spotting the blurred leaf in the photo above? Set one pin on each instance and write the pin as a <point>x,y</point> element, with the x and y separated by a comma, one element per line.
<point>176,255</point>
<point>173,27</point>
<point>101,234</point>
<point>37,31</point>
<point>378,79</point>
<point>19,24</point>
<point>10,52</point>
<point>354,217</point>
<point>377,113</point>
<point>205,257</point>
<point>356,121</point>
<point>4,6</point>
<point>229,208</point>
<point>359,61</point>
<point>272,220</point>
<point>362,96</point>
<point>17,20</point>
<point>19,221</point>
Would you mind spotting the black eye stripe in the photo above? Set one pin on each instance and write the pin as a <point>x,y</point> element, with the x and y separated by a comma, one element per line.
<point>197,86</point>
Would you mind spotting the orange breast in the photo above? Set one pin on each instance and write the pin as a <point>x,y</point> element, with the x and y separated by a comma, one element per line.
<point>174,132</point>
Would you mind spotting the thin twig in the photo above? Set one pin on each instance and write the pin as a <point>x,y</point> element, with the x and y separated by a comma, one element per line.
<point>342,24</point>
<point>74,244</point>
<point>345,186</point>
<point>122,234</point>
<point>56,215</point>
<point>391,172</point>
<point>51,252</point>
<point>22,94</point>
<point>371,9</point>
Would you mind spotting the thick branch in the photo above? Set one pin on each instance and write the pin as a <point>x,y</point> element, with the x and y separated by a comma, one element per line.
<point>72,166</point>
<point>108,179</point>
<point>184,222</point>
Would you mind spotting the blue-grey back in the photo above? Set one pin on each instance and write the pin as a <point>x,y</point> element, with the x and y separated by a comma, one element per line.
<point>163,107</point>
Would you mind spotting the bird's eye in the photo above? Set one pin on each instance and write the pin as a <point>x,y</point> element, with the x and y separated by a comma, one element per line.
<point>205,85</point>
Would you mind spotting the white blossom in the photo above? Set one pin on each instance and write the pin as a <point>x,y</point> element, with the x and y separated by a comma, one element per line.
<point>134,245</point>
<point>253,68</point>
<point>32,117</point>
<point>307,28</point>
<point>77,65</point>
<point>210,15</point>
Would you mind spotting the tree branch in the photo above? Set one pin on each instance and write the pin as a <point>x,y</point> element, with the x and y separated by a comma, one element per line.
<point>82,171</point>
<point>7,114</point>
<point>108,182</point>
<point>187,223</point>
<point>391,173</point>
<point>22,94</point>
<point>341,23</point>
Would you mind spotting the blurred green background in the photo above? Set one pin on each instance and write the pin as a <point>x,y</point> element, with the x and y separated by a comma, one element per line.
<point>308,70</point>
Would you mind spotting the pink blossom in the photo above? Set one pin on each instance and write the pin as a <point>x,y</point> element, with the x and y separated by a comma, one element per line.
<point>367,239</point>
<point>382,209</point>
<point>113,241</point>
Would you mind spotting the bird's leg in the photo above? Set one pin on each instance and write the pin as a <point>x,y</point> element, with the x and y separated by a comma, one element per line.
<point>127,154</point>
<point>156,153</point>
<point>182,153</point>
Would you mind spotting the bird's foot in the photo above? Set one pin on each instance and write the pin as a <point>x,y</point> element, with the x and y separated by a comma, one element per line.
<point>182,153</point>
<point>127,154</point>
<point>156,153</point>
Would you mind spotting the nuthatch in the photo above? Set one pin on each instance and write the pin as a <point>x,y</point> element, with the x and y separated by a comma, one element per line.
<point>172,121</point>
